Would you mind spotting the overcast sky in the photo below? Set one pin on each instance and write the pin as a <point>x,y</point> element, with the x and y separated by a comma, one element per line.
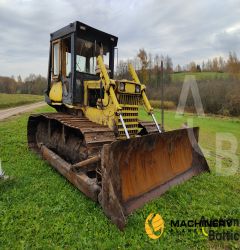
<point>185,30</point>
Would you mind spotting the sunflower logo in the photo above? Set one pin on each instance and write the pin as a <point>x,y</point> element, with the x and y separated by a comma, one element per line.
<point>154,226</point>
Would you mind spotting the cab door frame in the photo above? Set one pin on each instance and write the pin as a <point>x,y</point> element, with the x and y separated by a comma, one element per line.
<point>55,77</point>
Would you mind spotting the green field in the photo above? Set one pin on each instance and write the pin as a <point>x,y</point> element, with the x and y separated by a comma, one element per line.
<point>199,76</point>
<point>39,209</point>
<point>13,100</point>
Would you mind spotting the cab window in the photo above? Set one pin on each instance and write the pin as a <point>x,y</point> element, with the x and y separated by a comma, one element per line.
<point>86,53</point>
<point>56,52</point>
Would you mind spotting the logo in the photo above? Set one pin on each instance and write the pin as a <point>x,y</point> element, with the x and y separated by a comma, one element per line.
<point>154,226</point>
<point>213,229</point>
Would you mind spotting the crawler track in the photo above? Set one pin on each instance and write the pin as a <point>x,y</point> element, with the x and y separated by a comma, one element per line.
<point>67,141</point>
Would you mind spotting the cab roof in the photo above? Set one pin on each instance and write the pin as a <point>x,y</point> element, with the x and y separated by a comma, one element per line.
<point>86,32</point>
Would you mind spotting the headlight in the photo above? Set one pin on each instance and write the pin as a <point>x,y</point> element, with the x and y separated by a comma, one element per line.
<point>122,86</point>
<point>137,89</point>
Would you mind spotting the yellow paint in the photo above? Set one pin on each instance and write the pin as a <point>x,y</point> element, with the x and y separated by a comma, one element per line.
<point>144,96</point>
<point>55,94</point>
<point>114,99</point>
<point>107,114</point>
<point>104,72</point>
<point>108,84</point>
<point>93,84</point>
<point>106,111</point>
<point>104,117</point>
<point>204,232</point>
<point>133,73</point>
<point>146,102</point>
<point>130,88</point>
<point>154,226</point>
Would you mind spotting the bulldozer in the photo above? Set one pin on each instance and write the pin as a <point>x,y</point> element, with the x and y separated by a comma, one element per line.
<point>95,138</point>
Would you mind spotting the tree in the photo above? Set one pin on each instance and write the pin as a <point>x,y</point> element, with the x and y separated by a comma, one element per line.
<point>8,85</point>
<point>178,68</point>
<point>203,66</point>
<point>168,64</point>
<point>215,67</point>
<point>149,68</point>
<point>198,68</point>
<point>233,64</point>
<point>156,69</point>
<point>35,84</point>
<point>209,65</point>
<point>19,79</point>
<point>192,67</point>
<point>122,69</point>
<point>142,55</point>
<point>222,64</point>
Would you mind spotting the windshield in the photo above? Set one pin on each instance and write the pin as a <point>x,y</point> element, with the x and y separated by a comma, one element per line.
<point>86,54</point>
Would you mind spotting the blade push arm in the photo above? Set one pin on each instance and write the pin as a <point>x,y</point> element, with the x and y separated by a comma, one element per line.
<point>108,84</point>
<point>144,96</point>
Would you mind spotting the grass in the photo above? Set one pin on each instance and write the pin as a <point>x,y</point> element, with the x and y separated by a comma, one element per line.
<point>13,100</point>
<point>39,209</point>
<point>199,76</point>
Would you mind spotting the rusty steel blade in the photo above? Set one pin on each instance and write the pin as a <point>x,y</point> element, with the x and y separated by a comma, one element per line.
<point>137,170</point>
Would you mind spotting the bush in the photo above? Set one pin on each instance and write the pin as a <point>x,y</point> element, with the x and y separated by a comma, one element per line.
<point>233,101</point>
<point>218,96</point>
<point>33,84</point>
<point>166,104</point>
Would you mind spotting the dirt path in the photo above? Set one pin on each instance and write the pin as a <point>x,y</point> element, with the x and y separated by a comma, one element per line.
<point>5,113</point>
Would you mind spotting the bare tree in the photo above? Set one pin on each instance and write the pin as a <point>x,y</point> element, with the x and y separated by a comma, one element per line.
<point>233,64</point>
<point>222,64</point>
<point>142,55</point>
<point>215,67</point>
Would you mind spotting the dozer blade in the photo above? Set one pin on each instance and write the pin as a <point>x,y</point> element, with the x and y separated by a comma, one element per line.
<point>137,170</point>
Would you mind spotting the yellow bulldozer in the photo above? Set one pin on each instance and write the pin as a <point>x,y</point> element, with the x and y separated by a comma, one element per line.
<point>95,139</point>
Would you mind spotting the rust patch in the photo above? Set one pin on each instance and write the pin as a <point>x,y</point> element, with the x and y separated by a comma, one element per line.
<point>141,169</point>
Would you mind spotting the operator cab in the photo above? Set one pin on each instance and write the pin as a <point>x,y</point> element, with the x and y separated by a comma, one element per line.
<point>72,59</point>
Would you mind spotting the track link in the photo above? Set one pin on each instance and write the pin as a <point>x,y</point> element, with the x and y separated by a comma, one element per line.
<point>74,138</point>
